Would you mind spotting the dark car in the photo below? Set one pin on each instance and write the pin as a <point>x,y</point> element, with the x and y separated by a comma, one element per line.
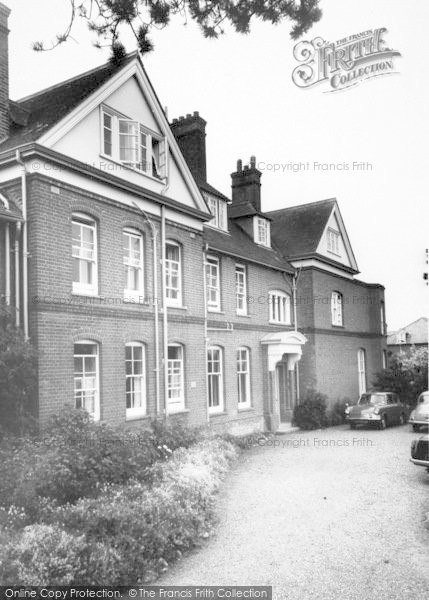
<point>420,452</point>
<point>419,417</point>
<point>377,408</point>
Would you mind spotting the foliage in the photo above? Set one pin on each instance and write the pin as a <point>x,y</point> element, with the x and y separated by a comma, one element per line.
<point>17,375</point>
<point>130,533</point>
<point>310,413</point>
<point>407,374</point>
<point>74,457</point>
<point>336,414</point>
<point>105,18</point>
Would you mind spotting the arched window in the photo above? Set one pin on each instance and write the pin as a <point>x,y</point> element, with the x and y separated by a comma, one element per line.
<point>84,254</point>
<point>133,263</point>
<point>215,379</point>
<point>173,273</point>
<point>135,379</point>
<point>87,377</point>
<point>337,308</point>
<point>243,377</point>
<point>279,303</point>
<point>175,375</point>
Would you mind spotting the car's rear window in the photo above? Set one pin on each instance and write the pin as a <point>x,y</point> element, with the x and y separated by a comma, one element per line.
<point>424,399</point>
<point>372,399</point>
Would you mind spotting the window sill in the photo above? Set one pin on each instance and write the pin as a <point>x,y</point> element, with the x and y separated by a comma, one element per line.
<point>136,417</point>
<point>168,306</point>
<point>246,409</point>
<point>161,180</point>
<point>179,411</point>
<point>246,316</point>
<point>86,294</point>
<point>216,310</point>
<point>280,323</point>
<point>217,414</point>
<point>338,326</point>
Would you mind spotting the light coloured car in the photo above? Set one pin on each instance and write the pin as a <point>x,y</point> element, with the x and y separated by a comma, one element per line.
<point>419,417</point>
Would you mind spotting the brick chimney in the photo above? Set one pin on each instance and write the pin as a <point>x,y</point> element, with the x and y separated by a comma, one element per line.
<point>4,71</point>
<point>190,134</point>
<point>246,184</point>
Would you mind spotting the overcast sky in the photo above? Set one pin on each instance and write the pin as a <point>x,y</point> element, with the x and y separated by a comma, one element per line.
<point>242,86</point>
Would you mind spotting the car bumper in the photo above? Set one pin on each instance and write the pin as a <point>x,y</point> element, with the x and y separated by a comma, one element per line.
<point>423,422</point>
<point>364,421</point>
<point>419,462</point>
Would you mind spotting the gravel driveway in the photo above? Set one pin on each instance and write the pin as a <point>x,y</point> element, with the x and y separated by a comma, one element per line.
<point>339,516</point>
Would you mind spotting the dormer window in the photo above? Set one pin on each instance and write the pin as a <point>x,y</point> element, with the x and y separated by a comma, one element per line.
<point>262,231</point>
<point>130,143</point>
<point>217,208</point>
<point>333,241</point>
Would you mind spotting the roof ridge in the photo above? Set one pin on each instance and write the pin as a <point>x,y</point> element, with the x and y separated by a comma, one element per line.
<point>74,78</point>
<point>301,205</point>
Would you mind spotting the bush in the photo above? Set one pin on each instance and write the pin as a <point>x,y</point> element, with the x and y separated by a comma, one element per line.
<point>74,457</point>
<point>311,412</point>
<point>18,380</point>
<point>130,533</point>
<point>336,414</point>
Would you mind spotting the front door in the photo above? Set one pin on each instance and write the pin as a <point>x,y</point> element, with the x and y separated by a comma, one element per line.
<point>285,391</point>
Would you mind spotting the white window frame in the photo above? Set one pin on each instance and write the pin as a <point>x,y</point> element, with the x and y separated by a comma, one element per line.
<point>176,367</point>
<point>240,289</point>
<point>215,376</point>
<point>149,156</point>
<point>212,272</point>
<point>218,209</point>
<point>337,318</point>
<point>280,307</point>
<point>130,263</point>
<point>261,224</point>
<point>333,241</point>
<point>243,377</point>
<point>141,410</point>
<point>96,390</point>
<point>85,221</point>
<point>172,268</point>
<point>361,356</point>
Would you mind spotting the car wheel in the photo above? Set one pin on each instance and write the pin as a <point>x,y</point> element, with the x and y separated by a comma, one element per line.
<point>402,419</point>
<point>416,428</point>
<point>352,425</point>
<point>383,423</point>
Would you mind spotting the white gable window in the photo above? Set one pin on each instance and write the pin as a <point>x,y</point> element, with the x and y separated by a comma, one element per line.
<point>261,231</point>
<point>132,144</point>
<point>84,255</point>
<point>279,307</point>
<point>333,241</point>
<point>213,283</point>
<point>218,209</point>
<point>337,309</point>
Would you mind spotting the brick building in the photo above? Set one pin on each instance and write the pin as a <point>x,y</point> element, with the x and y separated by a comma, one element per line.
<point>147,292</point>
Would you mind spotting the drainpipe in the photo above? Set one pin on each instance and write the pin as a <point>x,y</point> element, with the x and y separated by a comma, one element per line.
<point>7,261</point>
<point>155,301</point>
<point>17,276</point>
<point>24,243</point>
<point>164,310</point>
<point>206,335</point>
<point>295,318</point>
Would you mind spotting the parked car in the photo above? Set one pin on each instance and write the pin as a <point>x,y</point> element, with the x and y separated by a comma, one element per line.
<point>377,408</point>
<point>420,452</point>
<point>419,417</point>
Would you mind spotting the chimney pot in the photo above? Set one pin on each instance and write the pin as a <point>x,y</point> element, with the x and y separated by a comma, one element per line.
<point>196,113</point>
<point>253,162</point>
<point>188,116</point>
<point>239,165</point>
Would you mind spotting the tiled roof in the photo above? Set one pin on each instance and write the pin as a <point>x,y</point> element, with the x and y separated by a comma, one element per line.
<point>206,187</point>
<point>33,115</point>
<point>245,209</point>
<point>297,230</point>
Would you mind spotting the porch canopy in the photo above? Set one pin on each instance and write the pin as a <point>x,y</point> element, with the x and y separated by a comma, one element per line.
<point>283,342</point>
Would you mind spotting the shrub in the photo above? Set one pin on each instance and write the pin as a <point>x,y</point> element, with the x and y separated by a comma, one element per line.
<point>336,414</point>
<point>18,380</point>
<point>74,457</point>
<point>130,533</point>
<point>407,375</point>
<point>311,412</point>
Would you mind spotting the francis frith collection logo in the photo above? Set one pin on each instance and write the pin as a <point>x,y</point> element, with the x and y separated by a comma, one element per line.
<point>344,63</point>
